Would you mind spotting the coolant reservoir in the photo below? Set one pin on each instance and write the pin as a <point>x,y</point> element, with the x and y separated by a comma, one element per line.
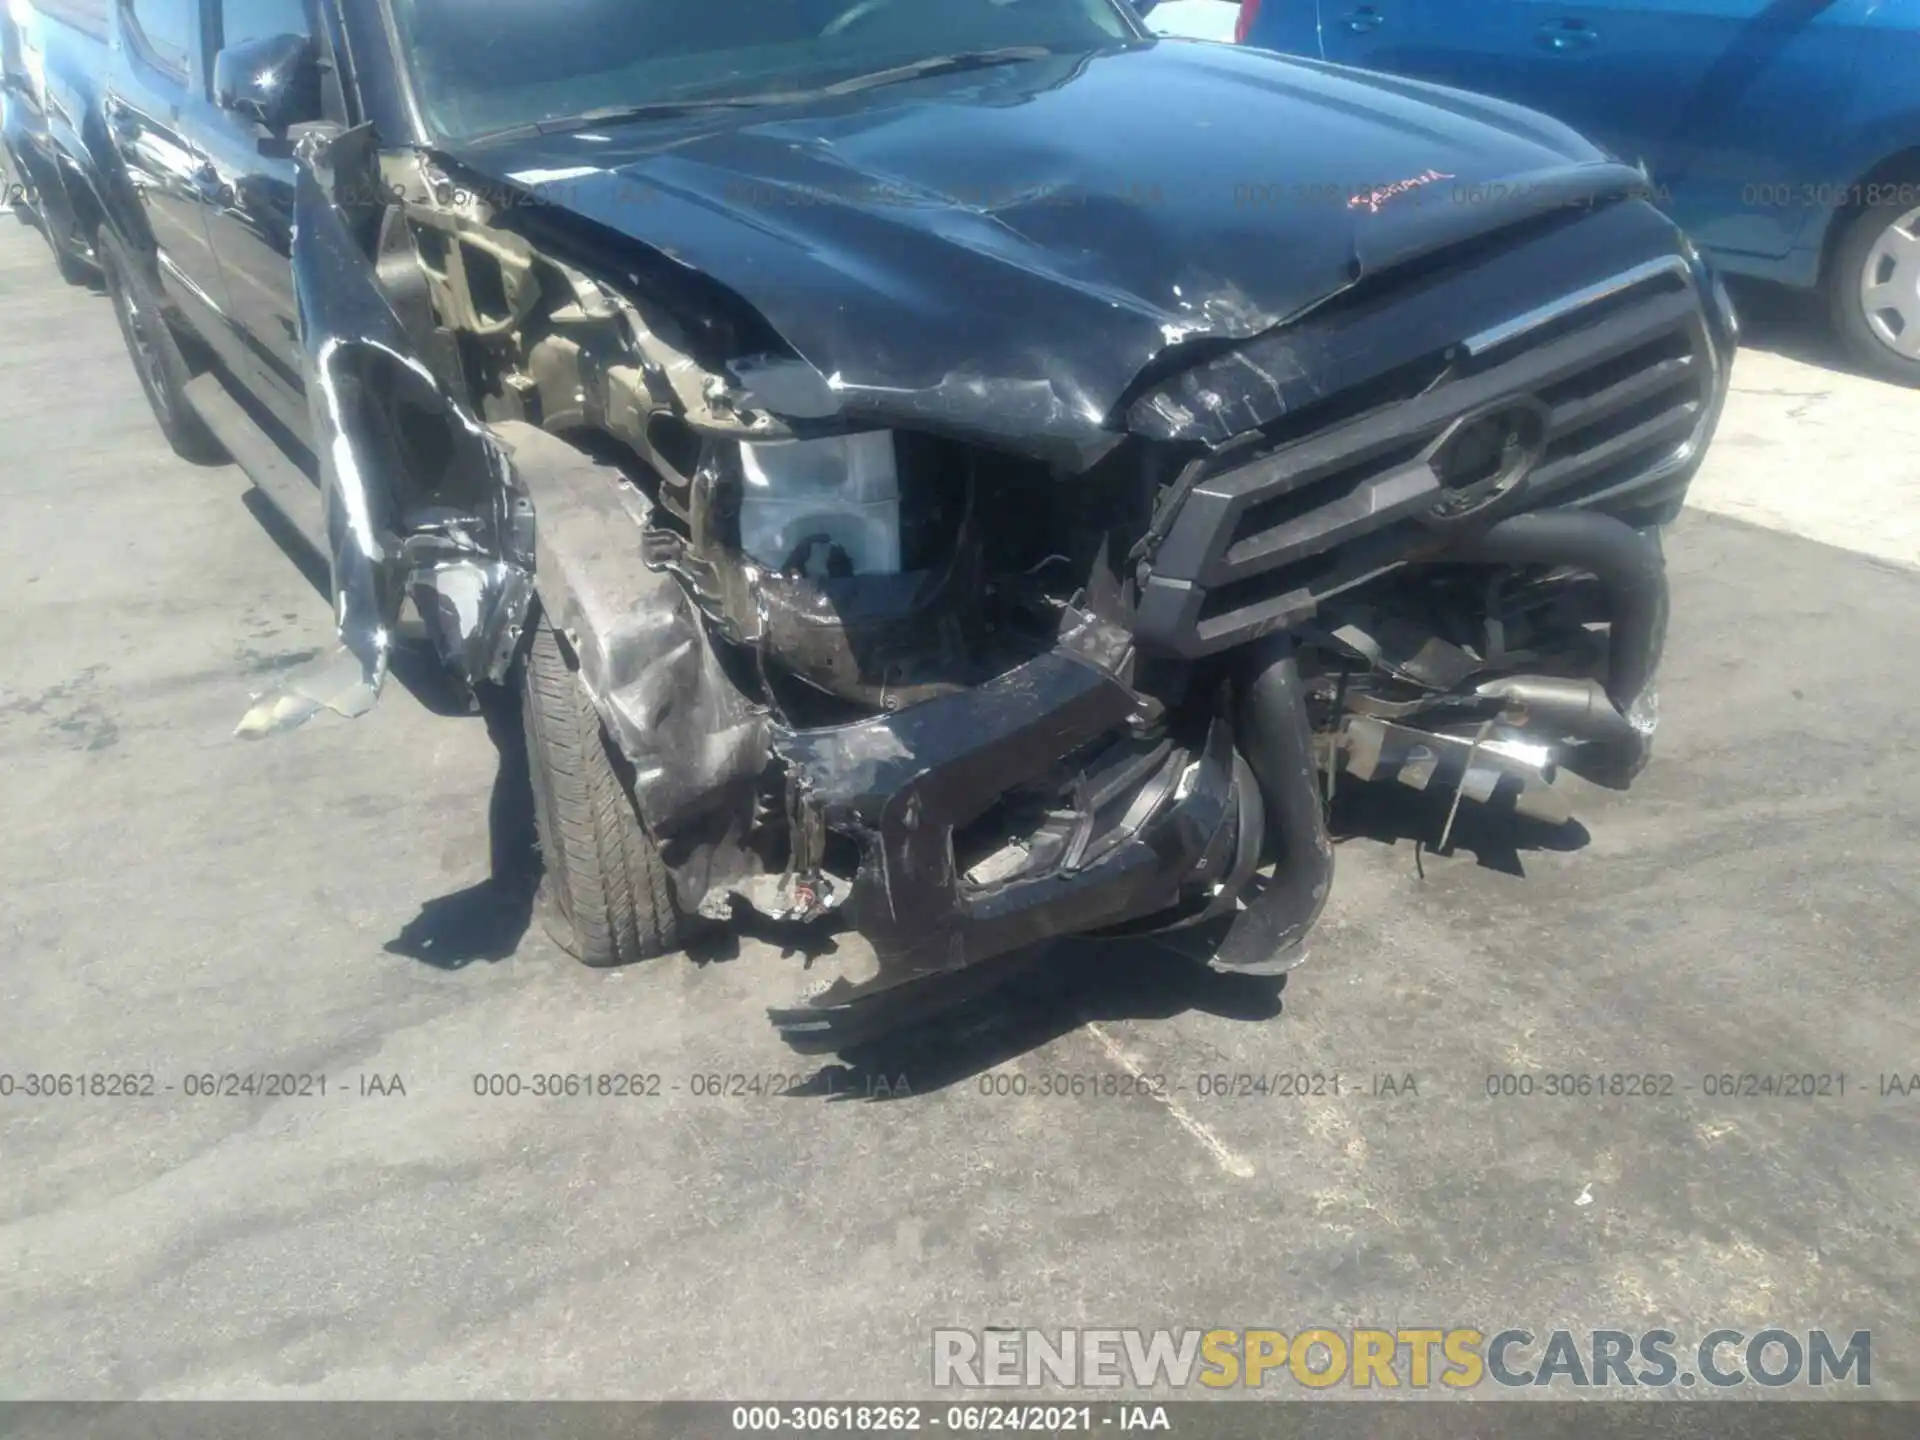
<point>822,507</point>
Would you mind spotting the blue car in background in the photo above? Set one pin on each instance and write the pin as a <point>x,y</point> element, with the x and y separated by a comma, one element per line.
<point>1784,135</point>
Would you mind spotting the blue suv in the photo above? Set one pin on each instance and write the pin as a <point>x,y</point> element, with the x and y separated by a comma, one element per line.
<point>1784,135</point>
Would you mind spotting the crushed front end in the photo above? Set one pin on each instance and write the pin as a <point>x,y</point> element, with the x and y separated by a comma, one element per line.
<point>1046,646</point>
<point>961,756</point>
<point>970,700</point>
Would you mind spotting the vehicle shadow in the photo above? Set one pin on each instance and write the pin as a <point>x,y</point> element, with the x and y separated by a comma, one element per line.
<point>487,921</point>
<point>1790,323</point>
<point>1060,988</point>
<point>1055,989</point>
<point>1495,837</point>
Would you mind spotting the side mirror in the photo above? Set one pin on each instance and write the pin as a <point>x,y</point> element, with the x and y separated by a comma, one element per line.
<point>274,82</point>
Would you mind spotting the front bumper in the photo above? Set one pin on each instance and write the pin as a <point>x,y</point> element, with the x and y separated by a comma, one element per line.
<point>1122,820</point>
<point>1147,828</point>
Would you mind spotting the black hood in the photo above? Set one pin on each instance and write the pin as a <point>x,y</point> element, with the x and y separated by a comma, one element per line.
<point>1001,253</point>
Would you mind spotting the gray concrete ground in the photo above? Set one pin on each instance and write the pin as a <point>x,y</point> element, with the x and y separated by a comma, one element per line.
<point>179,903</point>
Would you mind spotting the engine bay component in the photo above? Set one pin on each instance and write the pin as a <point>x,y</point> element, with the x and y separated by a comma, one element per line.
<point>826,508</point>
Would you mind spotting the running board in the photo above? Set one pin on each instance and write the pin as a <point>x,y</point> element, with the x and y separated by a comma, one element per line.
<point>289,489</point>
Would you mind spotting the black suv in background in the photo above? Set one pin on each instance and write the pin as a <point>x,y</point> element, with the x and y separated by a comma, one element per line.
<point>970,469</point>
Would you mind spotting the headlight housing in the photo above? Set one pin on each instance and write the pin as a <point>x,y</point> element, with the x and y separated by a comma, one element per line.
<point>822,508</point>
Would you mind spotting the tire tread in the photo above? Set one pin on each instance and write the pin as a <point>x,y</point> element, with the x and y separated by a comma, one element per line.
<point>608,888</point>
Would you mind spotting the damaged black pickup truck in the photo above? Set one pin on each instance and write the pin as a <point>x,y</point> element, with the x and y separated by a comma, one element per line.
<point>968,468</point>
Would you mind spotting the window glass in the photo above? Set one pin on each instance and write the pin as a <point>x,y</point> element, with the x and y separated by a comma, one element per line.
<point>244,20</point>
<point>494,64</point>
<point>164,29</point>
<point>86,16</point>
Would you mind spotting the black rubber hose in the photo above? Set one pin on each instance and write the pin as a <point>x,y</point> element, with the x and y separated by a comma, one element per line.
<point>1275,736</point>
<point>1627,563</point>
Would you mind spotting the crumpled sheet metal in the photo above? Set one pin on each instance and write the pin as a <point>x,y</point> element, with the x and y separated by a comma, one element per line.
<point>904,783</point>
<point>474,610</point>
<point>1337,346</point>
<point>697,744</point>
<point>385,521</point>
<point>1000,257</point>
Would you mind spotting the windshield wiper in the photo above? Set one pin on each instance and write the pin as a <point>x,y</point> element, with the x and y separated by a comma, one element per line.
<point>669,109</point>
<point>935,65</point>
<point>616,114</point>
<point>650,110</point>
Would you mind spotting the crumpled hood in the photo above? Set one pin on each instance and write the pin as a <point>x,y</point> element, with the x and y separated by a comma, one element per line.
<point>1001,253</point>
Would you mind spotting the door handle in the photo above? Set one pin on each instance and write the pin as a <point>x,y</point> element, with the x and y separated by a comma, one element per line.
<point>1562,36</point>
<point>1363,20</point>
<point>122,121</point>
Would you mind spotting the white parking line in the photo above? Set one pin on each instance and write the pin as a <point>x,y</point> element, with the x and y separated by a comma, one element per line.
<point>1234,1164</point>
<point>1817,453</point>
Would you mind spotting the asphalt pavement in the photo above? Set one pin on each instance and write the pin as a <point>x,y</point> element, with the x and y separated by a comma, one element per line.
<point>179,905</point>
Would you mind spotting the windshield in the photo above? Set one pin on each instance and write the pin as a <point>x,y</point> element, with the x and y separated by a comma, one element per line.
<point>481,66</point>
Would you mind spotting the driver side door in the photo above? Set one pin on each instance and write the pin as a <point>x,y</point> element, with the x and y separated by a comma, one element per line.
<point>250,217</point>
<point>148,104</point>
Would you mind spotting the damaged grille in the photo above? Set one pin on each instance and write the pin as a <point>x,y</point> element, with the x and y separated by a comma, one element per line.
<point>1599,397</point>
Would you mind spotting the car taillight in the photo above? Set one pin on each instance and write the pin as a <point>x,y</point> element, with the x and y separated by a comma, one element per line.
<point>1249,12</point>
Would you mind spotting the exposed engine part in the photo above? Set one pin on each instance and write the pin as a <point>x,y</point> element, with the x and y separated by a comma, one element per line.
<point>1626,562</point>
<point>544,341</point>
<point>1276,737</point>
<point>1427,761</point>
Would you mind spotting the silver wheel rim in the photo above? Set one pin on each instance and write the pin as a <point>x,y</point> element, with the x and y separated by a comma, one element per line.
<point>1890,286</point>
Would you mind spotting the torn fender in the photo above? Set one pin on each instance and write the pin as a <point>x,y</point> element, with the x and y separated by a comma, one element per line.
<point>415,491</point>
<point>697,744</point>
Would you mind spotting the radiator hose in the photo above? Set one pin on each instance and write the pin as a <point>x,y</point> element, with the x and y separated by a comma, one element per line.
<point>1628,564</point>
<point>1276,738</point>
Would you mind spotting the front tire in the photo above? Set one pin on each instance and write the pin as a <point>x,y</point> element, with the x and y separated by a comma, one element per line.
<point>73,269</point>
<point>606,898</point>
<point>1874,291</point>
<point>155,353</point>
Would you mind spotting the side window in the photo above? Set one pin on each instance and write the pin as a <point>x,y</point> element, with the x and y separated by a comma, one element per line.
<point>245,20</point>
<point>87,16</point>
<point>162,30</point>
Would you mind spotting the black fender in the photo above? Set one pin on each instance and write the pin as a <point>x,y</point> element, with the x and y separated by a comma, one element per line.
<point>417,494</point>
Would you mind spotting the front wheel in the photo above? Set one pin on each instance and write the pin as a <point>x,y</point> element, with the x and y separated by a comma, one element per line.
<point>1874,291</point>
<point>606,898</point>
